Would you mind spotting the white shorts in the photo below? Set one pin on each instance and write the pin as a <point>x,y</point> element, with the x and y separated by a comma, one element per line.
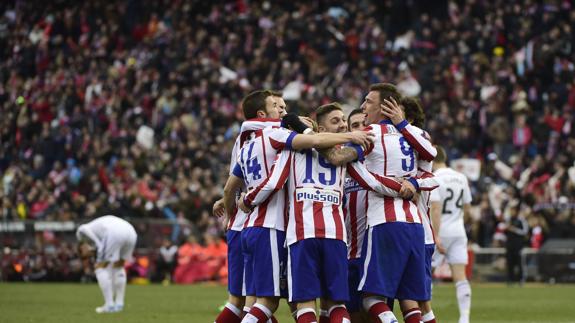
<point>118,245</point>
<point>455,252</point>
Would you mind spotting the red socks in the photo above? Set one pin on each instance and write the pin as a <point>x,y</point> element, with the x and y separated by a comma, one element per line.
<point>230,314</point>
<point>376,309</point>
<point>412,315</point>
<point>306,315</point>
<point>339,314</point>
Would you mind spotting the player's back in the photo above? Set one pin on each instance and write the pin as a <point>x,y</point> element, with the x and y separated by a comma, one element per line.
<point>109,224</point>
<point>452,194</point>
<point>316,194</point>
<point>256,159</point>
<point>390,155</point>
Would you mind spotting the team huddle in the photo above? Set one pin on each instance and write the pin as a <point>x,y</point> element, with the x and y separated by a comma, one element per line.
<point>341,210</point>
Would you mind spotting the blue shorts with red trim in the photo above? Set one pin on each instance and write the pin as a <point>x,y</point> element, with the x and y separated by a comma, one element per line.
<point>354,268</point>
<point>235,263</point>
<point>394,255</point>
<point>265,262</point>
<point>317,268</point>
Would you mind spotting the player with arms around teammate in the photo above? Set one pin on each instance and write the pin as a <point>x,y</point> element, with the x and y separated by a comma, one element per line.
<point>414,115</point>
<point>356,225</point>
<point>394,252</point>
<point>449,203</point>
<point>263,236</point>
<point>261,108</point>
<point>114,240</point>
<point>317,266</point>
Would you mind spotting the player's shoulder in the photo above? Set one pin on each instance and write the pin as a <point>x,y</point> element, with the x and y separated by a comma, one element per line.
<point>372,128</point>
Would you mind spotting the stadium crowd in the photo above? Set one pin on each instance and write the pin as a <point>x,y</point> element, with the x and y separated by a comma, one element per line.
<point>131,107</point>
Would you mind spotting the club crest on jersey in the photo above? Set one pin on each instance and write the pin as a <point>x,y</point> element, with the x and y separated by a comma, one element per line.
<point>317,195</point>
<point>351,186</point>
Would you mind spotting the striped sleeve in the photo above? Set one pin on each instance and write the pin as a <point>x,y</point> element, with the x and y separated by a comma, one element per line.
<point>427,183</point>
<point>273,183</point>
<point>418,139</point>
<point>370,181</point>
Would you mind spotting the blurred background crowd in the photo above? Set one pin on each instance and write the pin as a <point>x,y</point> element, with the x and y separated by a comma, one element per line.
<point>131,107</point>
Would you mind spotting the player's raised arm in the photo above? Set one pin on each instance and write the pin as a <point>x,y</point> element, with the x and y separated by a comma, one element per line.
<point>302,141</point>
<point>416,137</point>
<point>273,183</point>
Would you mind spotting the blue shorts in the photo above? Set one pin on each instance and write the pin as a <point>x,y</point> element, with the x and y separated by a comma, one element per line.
<point>265,262</point>
<point>429,250</point>
<point>354,267</point>
<point>317,268</point>
<point>394,258</point>
<point>235,263</point>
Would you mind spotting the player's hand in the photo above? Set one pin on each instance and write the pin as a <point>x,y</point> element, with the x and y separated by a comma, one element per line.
<point>218,209</point>
<point>407,190</point>
<point>439,245</point>
<point>307,121</point>
<point>241,204</point>
<point>362,138</point>
<point>393,111</point>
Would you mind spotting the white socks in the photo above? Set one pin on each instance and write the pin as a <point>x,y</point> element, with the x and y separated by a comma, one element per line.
<point>463,291</point>
<point>105,282</point>
<point>119,280</point>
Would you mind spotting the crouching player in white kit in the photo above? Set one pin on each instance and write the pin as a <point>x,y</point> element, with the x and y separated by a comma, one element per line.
<point>114,240</point>
<point>448,205</point>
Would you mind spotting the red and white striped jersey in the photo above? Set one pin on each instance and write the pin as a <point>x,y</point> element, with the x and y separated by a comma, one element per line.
<point>315,190</point>
<point>354,210</point>
<point>237,220</point>
<point>254,165</point>
<point>391,154</point>
<point>423,202</point>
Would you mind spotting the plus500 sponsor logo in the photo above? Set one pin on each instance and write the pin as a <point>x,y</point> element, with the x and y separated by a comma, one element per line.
<point>317,195</point>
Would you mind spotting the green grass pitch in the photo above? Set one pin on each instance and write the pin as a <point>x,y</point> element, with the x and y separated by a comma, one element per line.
<point>23,303</point>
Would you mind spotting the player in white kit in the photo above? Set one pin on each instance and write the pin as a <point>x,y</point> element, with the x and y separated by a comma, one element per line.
<point>449,203</point>
<point>114,240</point>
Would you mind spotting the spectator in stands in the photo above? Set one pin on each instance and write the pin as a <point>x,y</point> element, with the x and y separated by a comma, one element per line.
<point>80,86</point>
<point>516,230</point>
<point>166,261</point>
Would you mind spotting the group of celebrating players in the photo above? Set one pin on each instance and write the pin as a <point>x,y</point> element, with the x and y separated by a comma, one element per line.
<point>340,209</point>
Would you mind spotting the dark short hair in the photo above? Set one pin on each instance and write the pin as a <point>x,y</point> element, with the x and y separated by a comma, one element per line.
<point>413,111</point>
<point>351,114</point>
<point>325,109</point>
<point>441,155</point>
<point>277,93</point>
<point>386,91</point>
<point>254,102</point>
